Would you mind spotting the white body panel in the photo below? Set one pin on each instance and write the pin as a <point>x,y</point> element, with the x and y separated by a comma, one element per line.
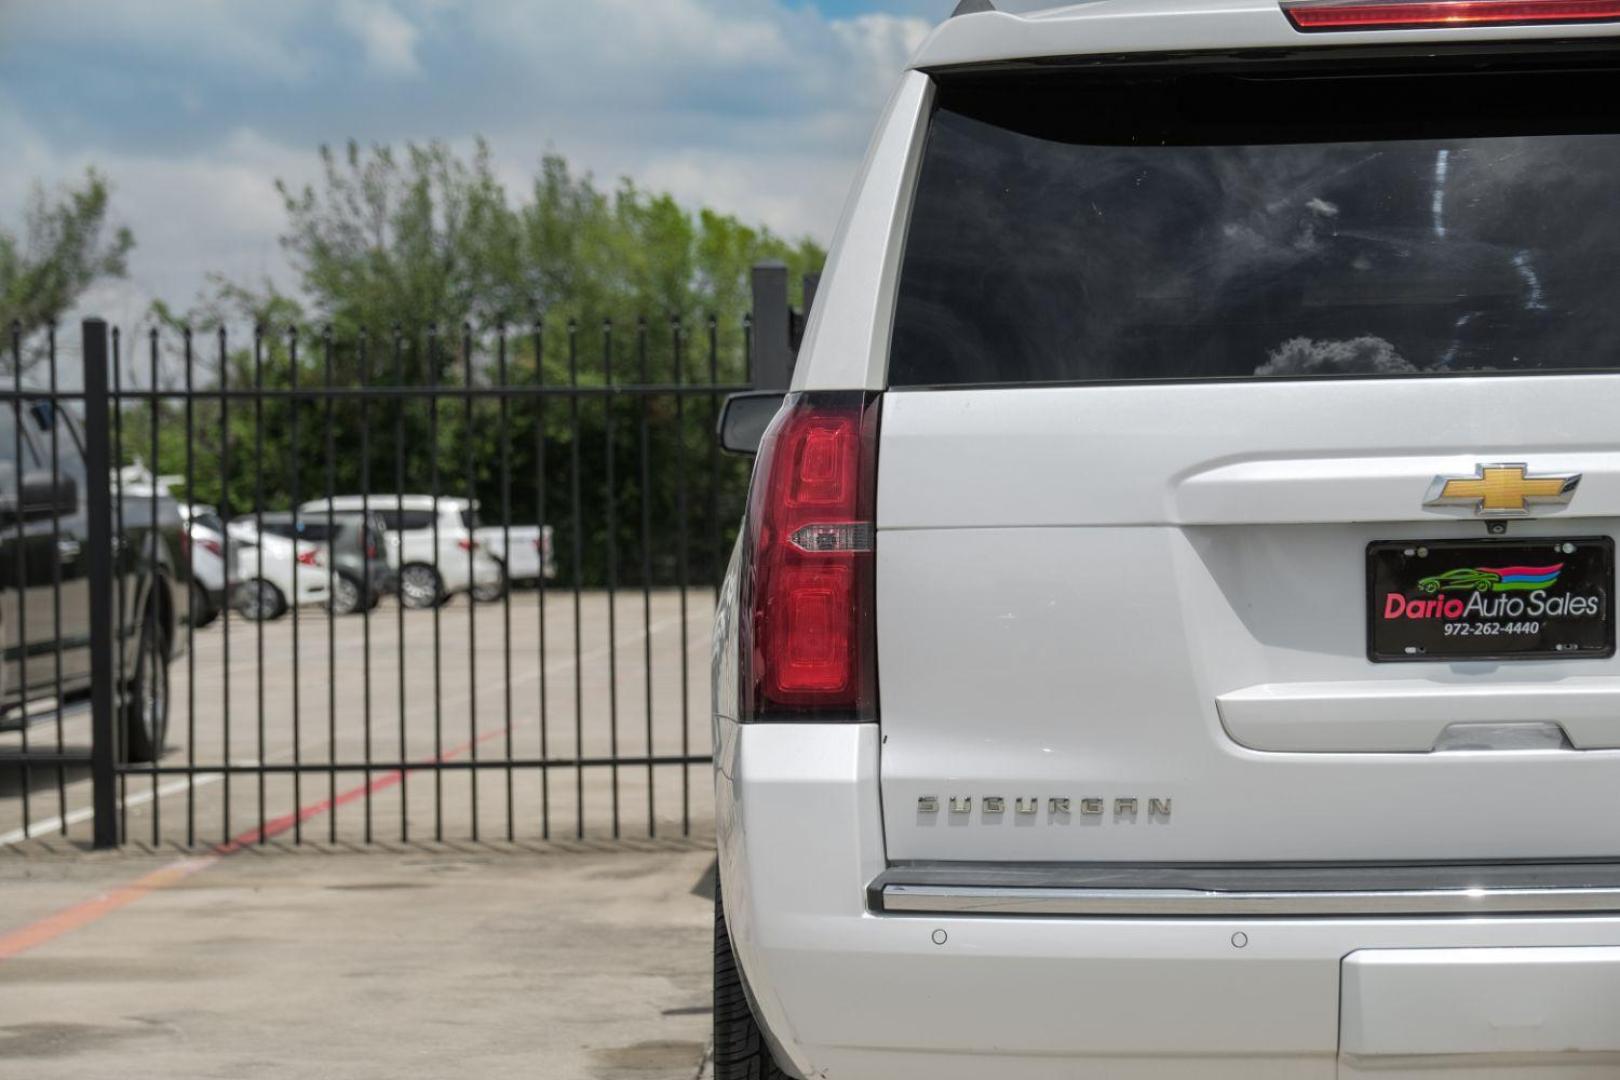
<point>1155,582</point>
<point>211,568</point>
<point>274,559</point>
<point>1132,26</point>
<point>525,550</point>
<point>849,994</point>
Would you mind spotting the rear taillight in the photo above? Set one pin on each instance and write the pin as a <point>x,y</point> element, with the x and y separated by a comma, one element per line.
<point>309,558</point>
<point>371,549</point>
<point>1324,15</point>
<point>213,547</point>
<point>467,544</point>
<point>808,639</point>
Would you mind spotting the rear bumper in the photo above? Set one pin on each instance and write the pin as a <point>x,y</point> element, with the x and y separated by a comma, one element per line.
<point>855,993</point>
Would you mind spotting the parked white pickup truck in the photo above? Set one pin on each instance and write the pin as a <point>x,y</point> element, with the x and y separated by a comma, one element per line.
<point>524,552</point>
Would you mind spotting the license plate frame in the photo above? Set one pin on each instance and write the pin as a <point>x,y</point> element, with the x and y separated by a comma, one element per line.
<point>1496,625</point>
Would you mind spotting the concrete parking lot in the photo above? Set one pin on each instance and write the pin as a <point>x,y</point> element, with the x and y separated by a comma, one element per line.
<point>468,682</point>
<point>574,961</point>
<point>354,942</point>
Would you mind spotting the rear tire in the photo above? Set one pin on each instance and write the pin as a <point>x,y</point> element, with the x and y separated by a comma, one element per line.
<point>348,596</point>
<point>203,610</point>
<point>420,586</point>
<point>146,706</point>
<point>260,601</point>
<point>492,591</point>
<point>740,1049</point>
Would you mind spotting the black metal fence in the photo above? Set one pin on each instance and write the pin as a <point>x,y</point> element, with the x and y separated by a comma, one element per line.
<point>353,586</point>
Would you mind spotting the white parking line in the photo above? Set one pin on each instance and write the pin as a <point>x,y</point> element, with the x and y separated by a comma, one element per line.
<point>141,798</point>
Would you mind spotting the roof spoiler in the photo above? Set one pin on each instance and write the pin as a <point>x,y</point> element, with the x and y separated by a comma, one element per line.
<point>969,7</point>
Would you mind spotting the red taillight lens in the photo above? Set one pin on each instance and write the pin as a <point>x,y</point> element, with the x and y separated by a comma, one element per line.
<point>212,546</point>
<point>309,558</point>
<point>1318,15</point>
<point>467,544</point>
<point>808,641</point>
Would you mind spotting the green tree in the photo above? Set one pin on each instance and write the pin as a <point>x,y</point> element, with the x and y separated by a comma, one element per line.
<point>418,268</point>
<point>67,244</point>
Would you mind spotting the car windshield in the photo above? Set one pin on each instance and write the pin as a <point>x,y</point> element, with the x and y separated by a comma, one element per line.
<point>1071,229</point>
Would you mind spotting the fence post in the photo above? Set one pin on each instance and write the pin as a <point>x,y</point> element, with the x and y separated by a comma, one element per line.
<point>771,366</point>
<point>98,505</point>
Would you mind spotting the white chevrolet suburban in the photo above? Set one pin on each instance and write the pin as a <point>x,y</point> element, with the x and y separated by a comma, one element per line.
<point>1173,631</point>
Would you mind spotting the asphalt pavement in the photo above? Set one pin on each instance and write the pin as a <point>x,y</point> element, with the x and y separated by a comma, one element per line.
<point>573,962</point>
<point>487,683</point>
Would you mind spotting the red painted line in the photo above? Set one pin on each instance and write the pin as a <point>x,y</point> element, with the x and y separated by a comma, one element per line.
<point>85,912</point>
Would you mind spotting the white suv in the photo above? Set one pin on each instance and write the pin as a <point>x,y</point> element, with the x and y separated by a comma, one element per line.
<point>430,543</point>
<point>1172,633</point>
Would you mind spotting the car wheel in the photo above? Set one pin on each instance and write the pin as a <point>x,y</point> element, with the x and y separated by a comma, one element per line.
<point>146,705</point>
<point>420,586</point>
<point>347,596</point>
<point>740,1050</point>
<point>491,591</point>
<point>260,601</point>
<point>203,610</point>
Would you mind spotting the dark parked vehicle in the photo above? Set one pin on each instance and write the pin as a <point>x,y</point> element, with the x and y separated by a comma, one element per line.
<point>44,567</point>
<point>361,576</point>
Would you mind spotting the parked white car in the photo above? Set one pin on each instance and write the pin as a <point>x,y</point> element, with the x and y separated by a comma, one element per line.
<point>274,572</point>
<point>213,573</point>
<point>430,543</point>
<point>1206,434</point>
<point>524,553</point>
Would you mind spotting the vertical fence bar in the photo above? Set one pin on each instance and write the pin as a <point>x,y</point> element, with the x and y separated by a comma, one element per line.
<point>540,501</point>
<point>121,578</point>
<point>399,591</point>
<point>716,542</point>
<point>579,579</point>
<point>331,594</point>
<point>363,364</point>
<point>98,508</point>
<point>21,569</point>
<point>611,513</point>
<point>506,591</point>
<point>646,568</point>
<point>258,549</point>
<point>295,459</point>
<point>55,406</point>
<point>232,584</point>
<point>155,538</point>
<point>193,606</point>
<point>470,520</point>
<point>433,468</point>
<point>682,575</point>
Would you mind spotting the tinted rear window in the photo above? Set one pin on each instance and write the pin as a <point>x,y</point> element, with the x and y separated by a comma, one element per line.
<point>1082,228</point>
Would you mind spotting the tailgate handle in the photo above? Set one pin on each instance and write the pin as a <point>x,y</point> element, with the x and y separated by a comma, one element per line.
<point>1528,735</point>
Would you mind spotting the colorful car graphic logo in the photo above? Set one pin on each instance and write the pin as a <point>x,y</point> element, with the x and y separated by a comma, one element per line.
<point>1492,579</point>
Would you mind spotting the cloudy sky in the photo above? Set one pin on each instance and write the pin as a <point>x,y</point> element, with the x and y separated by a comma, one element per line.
<point>194,107</point>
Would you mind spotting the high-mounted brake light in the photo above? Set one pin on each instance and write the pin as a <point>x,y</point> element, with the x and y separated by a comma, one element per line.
<point>808,641</point>
<point>1328,15</point>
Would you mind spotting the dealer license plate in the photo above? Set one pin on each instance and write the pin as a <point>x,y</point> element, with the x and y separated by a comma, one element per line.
<point>1490,599</point>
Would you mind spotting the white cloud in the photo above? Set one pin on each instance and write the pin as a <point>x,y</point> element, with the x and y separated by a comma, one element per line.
<point>752,107</point>
<point>389,38</point>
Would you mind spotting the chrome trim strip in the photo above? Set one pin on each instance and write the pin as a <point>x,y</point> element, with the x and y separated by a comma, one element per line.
<point>979,900</point>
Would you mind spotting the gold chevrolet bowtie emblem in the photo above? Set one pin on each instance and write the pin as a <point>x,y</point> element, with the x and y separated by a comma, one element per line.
<point>1502,491</point>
